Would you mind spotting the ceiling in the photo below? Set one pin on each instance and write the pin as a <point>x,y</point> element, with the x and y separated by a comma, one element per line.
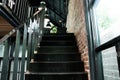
<point>5,27</point>
<point>56,9</point>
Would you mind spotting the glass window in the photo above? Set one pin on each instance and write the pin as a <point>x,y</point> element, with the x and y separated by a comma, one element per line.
<point>108,17</point>
<point>110,64</point>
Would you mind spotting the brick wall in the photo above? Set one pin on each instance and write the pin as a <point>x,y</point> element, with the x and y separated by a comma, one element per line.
<point>76,24</point>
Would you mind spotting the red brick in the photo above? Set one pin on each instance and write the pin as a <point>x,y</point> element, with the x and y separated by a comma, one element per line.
<point>76,24</point>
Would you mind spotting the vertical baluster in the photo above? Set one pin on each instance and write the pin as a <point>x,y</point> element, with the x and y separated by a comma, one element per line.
<point>36,39</point>
<point>40,29</point>
<point>17,46</point>
<point>4,73</point>
<point>24,13</point>
<point>33,44</point>
<point>29,50</point>
<point>21,9</point>
<point>42,18</point>
<point>23,52</point>
<point>18,8</point>
<point>12,47</point>
<point>14,8</point>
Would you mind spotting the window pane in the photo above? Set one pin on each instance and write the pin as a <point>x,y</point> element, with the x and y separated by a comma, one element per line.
<point>110,66</point>
<point>108,16</point>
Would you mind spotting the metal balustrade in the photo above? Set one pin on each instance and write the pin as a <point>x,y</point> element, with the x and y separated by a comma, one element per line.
<point>18,46</point>
<point>19,8</point>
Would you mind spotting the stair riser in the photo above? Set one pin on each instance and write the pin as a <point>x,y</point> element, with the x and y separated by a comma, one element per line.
<point>57,49</point>
<point>56,67</point>
<point>58,37</point>
<point>56,57</point>
<point>53,38</point>
<point>57,77</point>
<point>54,60</point>
<point>57,43</point>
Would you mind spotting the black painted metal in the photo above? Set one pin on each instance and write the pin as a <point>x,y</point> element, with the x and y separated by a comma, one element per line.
<point>108,44</point>
<point>117,46</point>
<point>6,13</point>
<point>12,55</point>
<point>29,50</point>
<point>33,44</point>
<point>12,47</point>
<point>20,26</point>
<point>16,61</point>
<point>20,8</point>
<point>57,62</point>
<point>96,38</point>
<point>4,73</point>
<point>42,21</point>
<point>90,41</point>
<point>17,9</point>
<point>23,52</point>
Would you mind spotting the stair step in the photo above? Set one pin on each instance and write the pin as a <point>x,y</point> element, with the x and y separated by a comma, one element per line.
<point>57,73</point>
<point>57,57</point>
<point>57,43</point>
<point>61,34</point>
<point>57,76</point>
<point>59,53</point>
<point>58,49</point>
<point>58,37</point>
<point>69,66</point>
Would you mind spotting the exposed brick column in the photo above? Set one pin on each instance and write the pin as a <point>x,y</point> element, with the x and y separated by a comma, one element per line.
<point>76,25</point>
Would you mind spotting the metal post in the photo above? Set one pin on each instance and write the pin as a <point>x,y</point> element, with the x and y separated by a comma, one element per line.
<point>118,55</point>
<point>23,52</point>
<point>33,44</point>
<point>4,74</point>
<point>12,47</point>
<point>17,46</point>
<point>29,50</point>
<point>42,16</point>
<point>95,59</point>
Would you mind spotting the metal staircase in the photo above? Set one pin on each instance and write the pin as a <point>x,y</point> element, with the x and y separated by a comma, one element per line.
<point>57,58</point>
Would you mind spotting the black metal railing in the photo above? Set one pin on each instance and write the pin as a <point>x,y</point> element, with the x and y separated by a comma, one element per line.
<point>112,43</point>
<point>18,47</point>
<point>19,8</point>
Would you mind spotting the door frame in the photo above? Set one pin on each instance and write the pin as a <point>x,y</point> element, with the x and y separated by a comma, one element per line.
<point>95,58</point>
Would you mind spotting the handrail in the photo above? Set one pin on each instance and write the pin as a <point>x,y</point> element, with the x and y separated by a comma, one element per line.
<point>20,26</point>
<point>21,51</point>
<point>108,44</point>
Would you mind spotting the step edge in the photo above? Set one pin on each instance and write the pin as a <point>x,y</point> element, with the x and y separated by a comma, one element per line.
<point>56,62</point>
<point>62,53</point>
<point>58,46</point>
<point>53,73</point>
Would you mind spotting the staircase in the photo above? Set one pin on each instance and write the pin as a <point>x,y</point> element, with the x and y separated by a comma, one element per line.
<point>57,58</point>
